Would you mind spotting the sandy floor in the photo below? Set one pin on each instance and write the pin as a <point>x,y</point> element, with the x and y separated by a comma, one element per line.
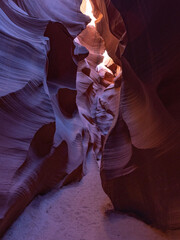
<point>80,211</point>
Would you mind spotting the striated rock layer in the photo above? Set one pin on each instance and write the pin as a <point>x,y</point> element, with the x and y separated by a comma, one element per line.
<point>59,107</point>
<point>39,145</point>
<point>51,122</point>
<point>141,168</point>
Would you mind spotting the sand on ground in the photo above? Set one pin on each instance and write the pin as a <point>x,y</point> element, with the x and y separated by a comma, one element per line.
<point>80,211</point>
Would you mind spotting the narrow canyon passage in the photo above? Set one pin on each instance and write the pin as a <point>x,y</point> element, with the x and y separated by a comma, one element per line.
<point>79,211</point>
<point>82,84</point>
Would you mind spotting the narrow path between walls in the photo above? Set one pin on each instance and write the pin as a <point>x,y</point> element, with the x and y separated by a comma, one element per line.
<point>80,211</point>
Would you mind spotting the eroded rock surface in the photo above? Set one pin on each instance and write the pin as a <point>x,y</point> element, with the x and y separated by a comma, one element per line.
<point>49,121</point>
<point>140,168</point>
<point>59,106</point>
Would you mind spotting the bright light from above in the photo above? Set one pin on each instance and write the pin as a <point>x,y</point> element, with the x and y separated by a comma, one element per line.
<point>86,8</point>
<point>102,67</point>
<point>107,60</point>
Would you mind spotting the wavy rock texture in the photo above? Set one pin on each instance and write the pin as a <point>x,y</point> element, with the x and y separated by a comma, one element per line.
<point>39,144</point>
<point>53,122</point>
<point>140,167</point>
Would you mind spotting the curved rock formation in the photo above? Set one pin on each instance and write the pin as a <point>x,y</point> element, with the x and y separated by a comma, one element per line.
<point>49,122</point>
<point>64,100</point>
<point>140,168</point>
<point>32,161</point>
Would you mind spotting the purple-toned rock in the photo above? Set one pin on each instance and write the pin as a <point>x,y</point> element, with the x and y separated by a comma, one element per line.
<point>74,88</point>
<point>141,168</point>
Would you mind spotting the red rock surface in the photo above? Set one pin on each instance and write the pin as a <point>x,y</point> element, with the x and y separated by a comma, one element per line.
<point>141,168</point>
<point>57,110</point>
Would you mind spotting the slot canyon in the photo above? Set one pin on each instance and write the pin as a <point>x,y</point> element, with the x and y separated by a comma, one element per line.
<point>89,120</point>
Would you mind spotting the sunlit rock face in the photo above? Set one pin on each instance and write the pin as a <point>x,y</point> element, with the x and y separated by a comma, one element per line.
<point>140,168</point>
<point>40,140</point>
<point>55,112</point>
<point>71,90</point>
